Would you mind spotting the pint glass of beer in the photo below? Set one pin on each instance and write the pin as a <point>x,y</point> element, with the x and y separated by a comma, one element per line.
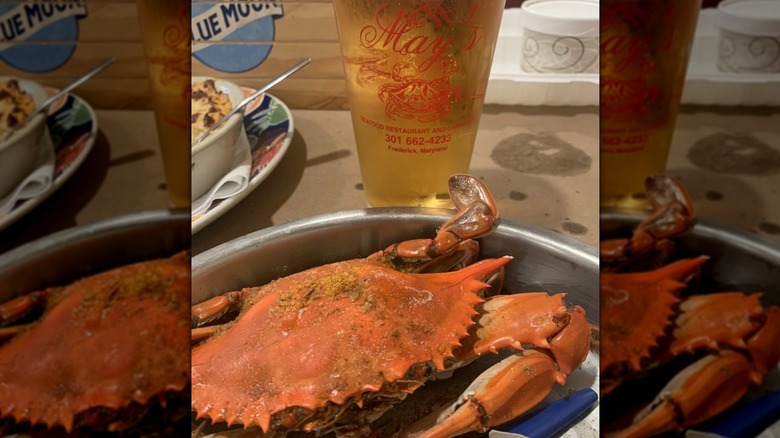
<point>165,25</point>
<point>416,74</point>
<point>644,50</point>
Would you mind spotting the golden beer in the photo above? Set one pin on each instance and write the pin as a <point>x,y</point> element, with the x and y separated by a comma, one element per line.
<point>166,34</point>
<point>416,71</point>
<point>645,47</point>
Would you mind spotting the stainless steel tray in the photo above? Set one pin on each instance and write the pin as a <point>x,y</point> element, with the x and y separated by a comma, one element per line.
<point>543,261</point>
<point>65,256</point>
<point>740,260</point>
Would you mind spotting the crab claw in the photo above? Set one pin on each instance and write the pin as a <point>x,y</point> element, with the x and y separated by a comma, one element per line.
<point>519,382</point>
<point>453,247</point>
<point>539,319</point>
<point>763,345</point>
<point>716,320</point>
<point>698,393</point>
<point>672,216</point>
<point>466,189</point>
<point>673,212</point>
<point>503,392</point>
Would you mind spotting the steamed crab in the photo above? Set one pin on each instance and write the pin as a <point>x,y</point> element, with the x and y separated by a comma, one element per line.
<point>726,342</point>
<point>352,339</point>
<point>105,351</point>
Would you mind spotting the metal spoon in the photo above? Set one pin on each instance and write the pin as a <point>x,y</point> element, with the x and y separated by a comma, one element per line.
<point>59,94</point>
<point>254,95</point>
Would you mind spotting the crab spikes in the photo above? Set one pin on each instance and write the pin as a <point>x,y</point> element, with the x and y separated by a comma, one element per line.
<point>627,338</point>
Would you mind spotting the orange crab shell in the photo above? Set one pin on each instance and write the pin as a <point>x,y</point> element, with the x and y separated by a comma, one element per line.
<point>636,310</point>
<point>329,335</point>
<point>103,342</point>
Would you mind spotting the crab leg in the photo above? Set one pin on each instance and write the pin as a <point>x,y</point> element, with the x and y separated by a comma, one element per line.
<point>698,393</point>
<point>17,308</point>
<point>10,332</point>
<point>213,308</point>
<point>21,306</point>
<point>519,382</point>
<point>763,345</point>
<point>476,217</point>
<point>210,310</point>
<point>672,216</point>
<point>503,392</point>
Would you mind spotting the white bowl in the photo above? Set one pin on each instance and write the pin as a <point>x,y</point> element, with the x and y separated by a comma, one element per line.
<point>560,36</point>
<point>749,40</point>
<point>19,153</point>
<point>213,157</point>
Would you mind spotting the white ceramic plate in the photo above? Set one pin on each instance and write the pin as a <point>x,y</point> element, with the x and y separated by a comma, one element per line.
<point>269,127</point>
<point>73,128</point>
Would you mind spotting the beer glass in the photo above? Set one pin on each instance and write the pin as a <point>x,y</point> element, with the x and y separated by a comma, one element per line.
<point>416,73</point>
<point>165,25</point>
<point>644,51</point>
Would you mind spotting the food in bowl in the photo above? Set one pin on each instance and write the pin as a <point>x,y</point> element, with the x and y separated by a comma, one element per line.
<point>391,328</point>
<point>15,105</point>
<point>103,353</point>
<point>19,145</point>
<point>664,323</point>
<point>213,157</point>
<point>209,106</point>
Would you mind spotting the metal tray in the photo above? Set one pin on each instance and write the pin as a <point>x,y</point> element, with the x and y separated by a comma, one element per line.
<point>740,260</point>
<point>65,256</point>
<point>543,261</point>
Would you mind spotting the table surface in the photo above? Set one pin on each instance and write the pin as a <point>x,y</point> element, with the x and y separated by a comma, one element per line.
<point>541,163</point>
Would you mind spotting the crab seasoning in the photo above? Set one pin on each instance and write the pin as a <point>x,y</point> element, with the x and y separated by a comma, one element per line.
<point>105,353</point>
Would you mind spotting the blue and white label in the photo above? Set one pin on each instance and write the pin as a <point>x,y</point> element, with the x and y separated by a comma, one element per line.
<point>250,25</point>
<point>37,23</point>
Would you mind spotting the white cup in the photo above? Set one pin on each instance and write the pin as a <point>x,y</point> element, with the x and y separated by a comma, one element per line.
<point>749,40</point>
<point>560,36</point>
